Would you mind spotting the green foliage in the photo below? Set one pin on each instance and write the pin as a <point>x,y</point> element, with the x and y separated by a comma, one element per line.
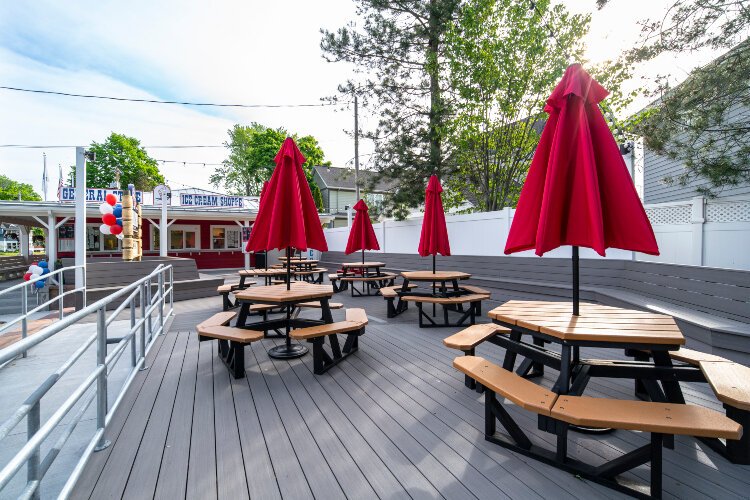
<point>699,122</point>
<point>503,66</point>
<point>124,154</point>
<point>10,189</point>
<point>252,150</point>
<point>399,55</point>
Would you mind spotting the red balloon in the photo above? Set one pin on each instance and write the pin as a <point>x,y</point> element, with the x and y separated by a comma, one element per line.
<point>111,199</point>
<point>109,219</point>
<point>115,229</point>
<point>27,276</point>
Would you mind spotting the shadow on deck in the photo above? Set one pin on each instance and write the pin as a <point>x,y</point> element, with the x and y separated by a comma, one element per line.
<point>393,421</point>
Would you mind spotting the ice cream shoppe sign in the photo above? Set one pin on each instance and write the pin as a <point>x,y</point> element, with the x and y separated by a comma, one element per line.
<point>210,200</point>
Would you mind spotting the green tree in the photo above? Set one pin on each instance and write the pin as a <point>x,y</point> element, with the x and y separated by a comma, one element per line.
<point>399,50</point>
<point>10,190</point>
<point>504,59</point>
<point>699,122</point>
<point>123,154</point>
<point>503,64</point>
<point>252,149</point>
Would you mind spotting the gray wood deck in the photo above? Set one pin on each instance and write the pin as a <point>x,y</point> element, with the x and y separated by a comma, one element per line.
<point>392,421</point>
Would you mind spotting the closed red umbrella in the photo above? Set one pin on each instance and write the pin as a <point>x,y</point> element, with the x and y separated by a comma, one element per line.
<point>362,235</point>
<point>579,191</point>
<point>287,217</point>
<point>434,237</point>
<point>260,201</point>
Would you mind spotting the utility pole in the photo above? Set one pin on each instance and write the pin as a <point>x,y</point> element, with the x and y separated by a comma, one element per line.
<point>356,146</point>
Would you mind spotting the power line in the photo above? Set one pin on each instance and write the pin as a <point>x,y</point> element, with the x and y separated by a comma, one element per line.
<point>53,146</point>
<point>156,101</point>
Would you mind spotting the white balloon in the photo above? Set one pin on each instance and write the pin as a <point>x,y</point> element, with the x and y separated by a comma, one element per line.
<point>120,236</point>
<point>106,208</point>
<point>35,270</point>
<point>35,275</point>
<point>105,229</point>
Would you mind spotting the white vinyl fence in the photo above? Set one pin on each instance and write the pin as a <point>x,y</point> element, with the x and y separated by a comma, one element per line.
<point>702,232</point>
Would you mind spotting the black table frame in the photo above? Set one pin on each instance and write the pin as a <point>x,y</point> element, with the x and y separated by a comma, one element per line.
<point>442,291</point>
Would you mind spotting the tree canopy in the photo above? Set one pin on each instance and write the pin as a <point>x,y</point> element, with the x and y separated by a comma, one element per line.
<point>252,149</point>
<point>123,154</point>
<point>10,190</point>
<point>699,122</point>
<point>398,50</point>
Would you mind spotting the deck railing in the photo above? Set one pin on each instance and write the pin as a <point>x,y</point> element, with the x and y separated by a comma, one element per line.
<point>153,293</point>
<point>55,279</point>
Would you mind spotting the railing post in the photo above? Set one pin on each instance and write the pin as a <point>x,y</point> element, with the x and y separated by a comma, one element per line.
<point>101,382</point>
<point>148,300</point>
<point>33,422</point>
<point>171,289</point>
<point>133,354</point>
<point>24,311</point>
<point>161,301</point>
<point>60,294</point>
<point>142,299</point>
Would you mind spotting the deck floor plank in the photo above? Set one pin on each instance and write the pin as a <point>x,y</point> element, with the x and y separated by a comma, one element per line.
<point>201,480</point>
<point>172,480</point>
<point>393,421</point>
<point>353,482</point>
<point>145,471</point>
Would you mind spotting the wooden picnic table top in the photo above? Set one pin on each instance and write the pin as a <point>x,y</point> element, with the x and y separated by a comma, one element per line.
<point>347,265</point>
<point>596,322</point>
<point>278,294</point>
<point>436,276</point>
<point>299,262</point>
<point>293,258</point>
<point>263,272</point>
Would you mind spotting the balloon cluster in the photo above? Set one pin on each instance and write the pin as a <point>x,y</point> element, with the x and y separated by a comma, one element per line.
<point>111,216</point>
<point>37,269</point>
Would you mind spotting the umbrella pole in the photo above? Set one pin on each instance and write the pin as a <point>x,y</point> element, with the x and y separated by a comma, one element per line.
<point>288,271</point>
<point>433,285</point>
<point>363,256</point>
<point>576,292</point>
<point>265,259</point>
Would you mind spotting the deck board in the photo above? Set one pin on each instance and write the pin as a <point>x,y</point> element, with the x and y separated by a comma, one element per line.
<point>392,421</point>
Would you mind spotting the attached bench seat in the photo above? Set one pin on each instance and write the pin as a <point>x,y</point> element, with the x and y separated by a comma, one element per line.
<point>557,412</point>
<point>225,290</point>
<point>353,326</point>
<point>390,294</point>
<point>474,301</point>
<point>232,340</point>
<point>467,339</point>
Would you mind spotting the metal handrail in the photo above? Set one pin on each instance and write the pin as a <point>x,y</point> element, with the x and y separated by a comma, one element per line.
<point>141,336</point>
<point>24,288</point>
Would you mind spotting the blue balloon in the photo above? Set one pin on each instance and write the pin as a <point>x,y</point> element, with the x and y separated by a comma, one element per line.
<point>45,270</point>
<point>43,263</point>
<point>39,284</point>
<point>117,211</point>
<point>119,221</point>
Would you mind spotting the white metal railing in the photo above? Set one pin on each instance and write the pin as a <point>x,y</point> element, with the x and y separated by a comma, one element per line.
<point>55,280</point>
<point>141,335</point>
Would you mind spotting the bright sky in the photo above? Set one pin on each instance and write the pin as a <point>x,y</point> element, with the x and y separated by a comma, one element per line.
<point>239,51</point>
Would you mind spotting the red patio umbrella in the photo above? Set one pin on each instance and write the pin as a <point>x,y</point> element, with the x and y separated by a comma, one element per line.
<point>362,235</point>
<point>287,217</point>
<point>578,191</point>
<point>260,200</point>
<point>434,237</point>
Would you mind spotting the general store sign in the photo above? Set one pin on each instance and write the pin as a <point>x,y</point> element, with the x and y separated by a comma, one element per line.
<point>95,195</point>
<point>210,200</point>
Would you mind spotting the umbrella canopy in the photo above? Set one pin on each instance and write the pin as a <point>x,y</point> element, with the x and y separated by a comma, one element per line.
<point>362,235</point>
<point>260,200</point>
<point>434,237</point>
<point>578,191</point>
<point>287,216</point>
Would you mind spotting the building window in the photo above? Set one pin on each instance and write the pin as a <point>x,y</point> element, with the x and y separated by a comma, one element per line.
<point>98,242</point>
<point>226,237</point>
<point>183,238</point>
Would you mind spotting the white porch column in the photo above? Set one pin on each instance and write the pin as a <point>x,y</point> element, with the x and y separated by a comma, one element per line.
<point>348,216</point>
<point>163,228</point>
<point>80,225</point>
<point>23,237</point>
<point>51,240</point>
<point>697,220</point>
